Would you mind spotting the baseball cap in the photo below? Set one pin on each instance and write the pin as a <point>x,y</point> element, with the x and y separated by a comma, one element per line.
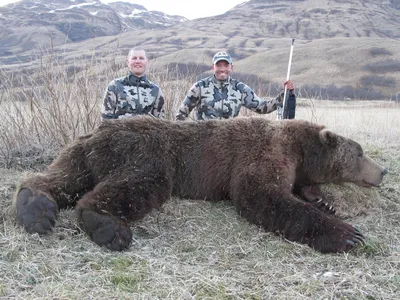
<point>222,56</point>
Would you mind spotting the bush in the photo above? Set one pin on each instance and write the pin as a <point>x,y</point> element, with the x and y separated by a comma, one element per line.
<point>375,80</point>
<point>379,51</point>
<point>385,66</point>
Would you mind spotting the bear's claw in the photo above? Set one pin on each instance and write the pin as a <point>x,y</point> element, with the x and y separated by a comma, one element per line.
<point>359,237</point>
<point>325,207</point>
<point>339,237</point>
<point>37,214</point>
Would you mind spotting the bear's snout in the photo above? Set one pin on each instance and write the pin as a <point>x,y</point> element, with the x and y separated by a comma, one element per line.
<point>372,173</point>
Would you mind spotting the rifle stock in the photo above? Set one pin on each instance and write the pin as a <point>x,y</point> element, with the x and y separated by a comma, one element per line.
<point>281,112</point>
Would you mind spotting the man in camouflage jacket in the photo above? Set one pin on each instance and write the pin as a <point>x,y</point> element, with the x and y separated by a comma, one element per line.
<point>221,97</point>
<point>133,94</point>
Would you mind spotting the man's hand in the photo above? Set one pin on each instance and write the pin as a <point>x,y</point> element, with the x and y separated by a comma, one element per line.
<point>289,85</point>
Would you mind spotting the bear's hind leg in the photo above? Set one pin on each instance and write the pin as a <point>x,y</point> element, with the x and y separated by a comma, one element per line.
<point>38,198</point>
<point>104,213</point>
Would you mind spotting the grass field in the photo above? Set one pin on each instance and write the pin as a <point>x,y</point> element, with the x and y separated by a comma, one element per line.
<point>189,249</point>
<point>200,250</point>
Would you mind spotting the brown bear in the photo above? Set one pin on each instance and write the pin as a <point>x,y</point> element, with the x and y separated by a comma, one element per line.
<point>126,168</point>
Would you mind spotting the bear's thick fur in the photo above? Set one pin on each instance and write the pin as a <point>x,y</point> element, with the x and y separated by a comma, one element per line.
<point>128,167</point>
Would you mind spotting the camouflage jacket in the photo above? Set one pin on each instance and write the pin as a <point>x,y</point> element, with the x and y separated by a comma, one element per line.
<point>213,99</point>
<point>131,95</point>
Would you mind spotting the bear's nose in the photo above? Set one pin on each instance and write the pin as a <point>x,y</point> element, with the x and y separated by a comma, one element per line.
<point>384,172</point>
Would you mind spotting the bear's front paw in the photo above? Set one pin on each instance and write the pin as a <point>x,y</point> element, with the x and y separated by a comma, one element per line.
<point>107,231</point>
<point>37,214</point>
<point>337,237</point>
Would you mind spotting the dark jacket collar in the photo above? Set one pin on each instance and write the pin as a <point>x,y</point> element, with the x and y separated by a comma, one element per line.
<point>219,82</point>
<point>134,78</point>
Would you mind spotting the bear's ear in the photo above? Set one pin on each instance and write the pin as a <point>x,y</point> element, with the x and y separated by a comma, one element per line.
<point>327,137</point>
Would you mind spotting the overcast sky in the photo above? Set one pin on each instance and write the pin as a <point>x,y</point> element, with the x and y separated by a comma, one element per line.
<point>189,9</point>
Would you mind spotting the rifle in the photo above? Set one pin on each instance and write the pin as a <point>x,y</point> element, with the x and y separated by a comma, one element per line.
<point>282,111</point>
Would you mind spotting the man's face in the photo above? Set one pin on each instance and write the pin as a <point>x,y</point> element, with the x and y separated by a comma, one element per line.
<point>222,70</point>
<point>137,63</point>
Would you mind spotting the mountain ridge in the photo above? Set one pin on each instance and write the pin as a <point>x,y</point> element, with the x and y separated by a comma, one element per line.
<point>34,22</point>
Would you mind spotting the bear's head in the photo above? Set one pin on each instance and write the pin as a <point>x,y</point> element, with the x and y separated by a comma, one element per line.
<point>335,159</point>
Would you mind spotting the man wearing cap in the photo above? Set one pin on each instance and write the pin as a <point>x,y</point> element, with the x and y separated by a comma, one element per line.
<point>221,97</point>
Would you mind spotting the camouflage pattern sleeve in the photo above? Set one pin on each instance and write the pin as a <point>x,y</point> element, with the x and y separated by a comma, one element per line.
<point>158,109</point>
<point>258,105</point>
<point>110,102</point>
<point>191,100</point>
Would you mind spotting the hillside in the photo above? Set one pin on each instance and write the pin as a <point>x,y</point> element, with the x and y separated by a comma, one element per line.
<point>344,48</point>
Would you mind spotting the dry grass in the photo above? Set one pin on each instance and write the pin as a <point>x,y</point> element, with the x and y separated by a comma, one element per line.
<point>192,249</point>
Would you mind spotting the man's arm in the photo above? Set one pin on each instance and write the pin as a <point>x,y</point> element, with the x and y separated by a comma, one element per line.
<point>109,103</point>
<point>191,100</point>
<point>254,103</point>
<point>266,106</point>
<point>158,108</point>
